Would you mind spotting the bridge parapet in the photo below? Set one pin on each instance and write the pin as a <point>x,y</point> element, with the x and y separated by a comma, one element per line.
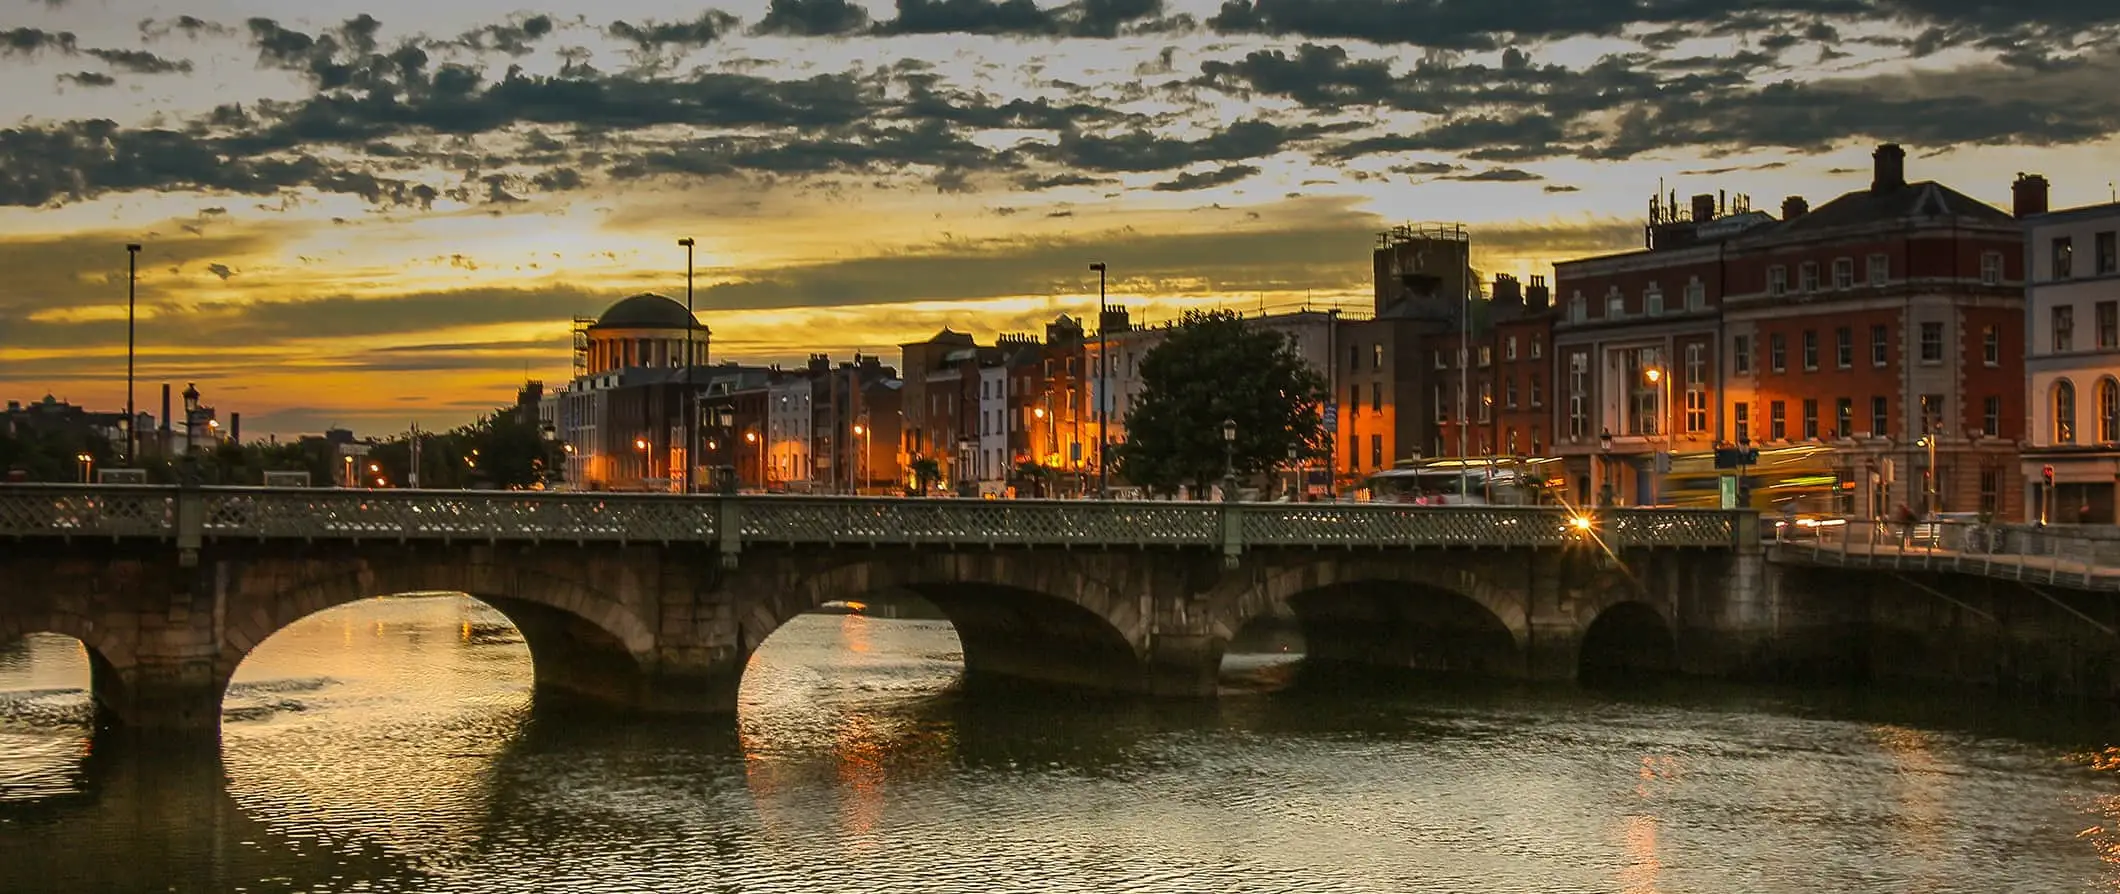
<point>191,516</point>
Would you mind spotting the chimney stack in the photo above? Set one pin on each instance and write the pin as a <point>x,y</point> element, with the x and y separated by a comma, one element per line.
<point>2028,195</point>
<point>1891,168</point>
<point>1507,290</point>
<point>235,428</point>
<point>1538,297</point>
<point>1703,208</point>
<point>164,443</point>
<point>1794,207</point>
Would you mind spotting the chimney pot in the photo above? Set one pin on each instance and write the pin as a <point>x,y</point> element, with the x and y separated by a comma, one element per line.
<point>1891,166</point>
<point>1794,207</point>
<point>2028,195</point>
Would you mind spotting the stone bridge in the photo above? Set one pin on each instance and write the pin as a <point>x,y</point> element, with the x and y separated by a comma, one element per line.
<point>657,602</point>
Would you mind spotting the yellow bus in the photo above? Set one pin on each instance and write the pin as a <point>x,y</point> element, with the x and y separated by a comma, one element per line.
<point>1800,479</point>
<point>1469,482</point>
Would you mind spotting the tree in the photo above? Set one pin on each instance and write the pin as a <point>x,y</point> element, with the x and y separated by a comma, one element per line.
<point>926,471</point>
<point>504,449</point>
<point>1211,367</point>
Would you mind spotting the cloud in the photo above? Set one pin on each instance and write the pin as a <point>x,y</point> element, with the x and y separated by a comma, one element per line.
<point>190,26</point>
<point>1222,176</point>
<point>812,18</point>
<point>1020,18</point>
<point>515,38</point>
<point>89,79</point>
<point>651,35</point>
<point>221,270</point>
<point>1497,175</point>
<point>140,61</point>
<point>1552,188</point>
<point>31,41</point>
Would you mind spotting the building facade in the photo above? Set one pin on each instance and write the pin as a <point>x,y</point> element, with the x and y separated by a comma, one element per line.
<point>623,418</point>
<point>2072,363</point>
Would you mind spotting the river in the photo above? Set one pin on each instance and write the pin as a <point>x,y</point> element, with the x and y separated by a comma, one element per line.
<point>391,745</point>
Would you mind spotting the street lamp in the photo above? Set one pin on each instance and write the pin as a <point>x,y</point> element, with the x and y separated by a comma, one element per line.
<point>1229,460</point>
<point>191,411</point>
<point>647,461</point>
<point>861,430</point>
<point>964,453</point>
<point>1658,378</point>
<point>132,292</point>
<point>348,461</point>
<point>1929,441</point>
<point>691,411</point>
<point>87,463</point>
<point>1604,461</point>
<point>1103,441</point>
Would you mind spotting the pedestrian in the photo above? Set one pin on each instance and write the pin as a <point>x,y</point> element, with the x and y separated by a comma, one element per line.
<point>2083,514</point>
<point>1906,523</point>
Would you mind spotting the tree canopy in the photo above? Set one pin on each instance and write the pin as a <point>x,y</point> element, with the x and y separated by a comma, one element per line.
<point>1213,366</point>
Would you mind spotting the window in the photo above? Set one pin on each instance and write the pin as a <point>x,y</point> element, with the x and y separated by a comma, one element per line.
<point>1777,280</point>
<point>2108,410</point>
<point>1615,304</point>
<point>1354,399</point>
<point>1442,412</point>
<point>1578,310</point>
<point>1537,392</point>
<point>1653,301</point>
<point>1778,352</point>
<point>1844,417</point>
<point>1844,347</point>
<point>1990,490</point>
<point>1741,420</point>
<point>1696,388</point>
<point>1880,344</point>
<point>1991,268</point>
<point>1376,357</point>
<point>1843,273</point>
<point>1486,401</point>
<point>1509,349</point>
<point>1932,342</point>
<point>1991,416</point>
<point>1376,451</point>
<point>1810,349</point>
<point>1509,392</point>
<point>1578,393</point>
<point>2064,412</point>
<point>2108,252</point>
<point>1376,397</point>
<point>1777,421</point>
<point>2064,328</point>
<point>1809,272</point>
<point>1697,294</point>
<point>1880,269</point>
<point>2108,324</point>
<point>2064,257</point>
<point>1880,416</point>
<point>1354,358</point>
<point>1810,418</point>
<point>1486,356</point>
<point>1741,354</point>
<point>1538,346</point>
<point>1990,346</point>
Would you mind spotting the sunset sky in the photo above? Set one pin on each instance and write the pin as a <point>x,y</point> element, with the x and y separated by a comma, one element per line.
<point>390,213</point>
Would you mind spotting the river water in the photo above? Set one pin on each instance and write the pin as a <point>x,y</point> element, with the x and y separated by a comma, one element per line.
<point>391,745</point>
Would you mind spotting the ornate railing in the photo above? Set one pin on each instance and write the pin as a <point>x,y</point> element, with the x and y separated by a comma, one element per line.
<point>193,516</point>
<point>2067,556</point>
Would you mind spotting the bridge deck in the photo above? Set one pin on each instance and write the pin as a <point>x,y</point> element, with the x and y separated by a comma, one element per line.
<point>194,515</point>
<point>2074,558</point>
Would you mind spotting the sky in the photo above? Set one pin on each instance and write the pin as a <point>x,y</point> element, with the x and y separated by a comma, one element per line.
<point>389,212</point>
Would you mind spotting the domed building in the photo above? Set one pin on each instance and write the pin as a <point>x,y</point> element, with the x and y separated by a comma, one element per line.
<point>646,330</point>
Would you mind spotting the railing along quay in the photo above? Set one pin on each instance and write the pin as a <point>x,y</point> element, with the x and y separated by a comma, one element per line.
<point>2083,558</point>
<point>194,515</point>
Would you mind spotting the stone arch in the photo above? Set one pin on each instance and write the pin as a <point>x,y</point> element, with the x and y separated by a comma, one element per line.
<point>583,641</point>
<point>1385,610</point>
<point>1020,617</point>
<point>1627,637</point>
<point>110,655</point>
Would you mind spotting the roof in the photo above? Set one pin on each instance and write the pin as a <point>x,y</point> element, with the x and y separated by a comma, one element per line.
<point>646,311</point>
<point>1864,206</point>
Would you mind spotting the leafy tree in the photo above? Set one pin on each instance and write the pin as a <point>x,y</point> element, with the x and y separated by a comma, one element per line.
<point>1211,367</point>
<point>926,471</point>
<point>1040,477</point>
<point>505,449</point>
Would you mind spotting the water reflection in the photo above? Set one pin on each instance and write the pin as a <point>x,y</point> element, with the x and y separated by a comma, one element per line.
<point>393,745</point>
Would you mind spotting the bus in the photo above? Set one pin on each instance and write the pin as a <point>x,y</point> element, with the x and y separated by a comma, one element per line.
<point>1795,479</point>
<point>1476,482</point>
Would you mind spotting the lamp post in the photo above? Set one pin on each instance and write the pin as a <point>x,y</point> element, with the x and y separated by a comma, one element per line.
<point>191,412</point>
<point>691,411</point>
<point>750,442</point>
<point>347,461</point>
<point>1229,460</point>
<point>1294,475</point>
<point>1657,377</point>
<point>1103,441</point>
<point>861,463</point>
<point>132,291</point>
<point>964,452</point>
<point>1604,462</point>
<point>1928,441</point>
<point>647,461</point>
<point>87,463</point>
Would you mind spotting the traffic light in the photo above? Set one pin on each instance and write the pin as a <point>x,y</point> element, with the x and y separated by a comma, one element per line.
<point>2047,472</point>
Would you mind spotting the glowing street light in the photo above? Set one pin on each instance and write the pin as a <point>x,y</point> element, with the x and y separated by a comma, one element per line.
<point>87,464</point>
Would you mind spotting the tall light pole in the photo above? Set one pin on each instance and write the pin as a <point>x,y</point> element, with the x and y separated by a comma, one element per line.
<point>691,411</point>
<point>1929,441</point>
<point>132,292</point>
<point>1103,440</point>
<point>1229,460</point>
<point>1657,377</point>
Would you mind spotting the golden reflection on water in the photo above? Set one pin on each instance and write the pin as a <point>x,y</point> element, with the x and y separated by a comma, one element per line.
<point>2103,834</point>
<point>1918,784</point>
<point>1644,866</point>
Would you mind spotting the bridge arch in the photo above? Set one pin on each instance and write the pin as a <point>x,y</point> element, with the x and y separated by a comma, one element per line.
<point>1041,621</point>
<point>1389,611</point>
<point>583,641</point>
<point>110,654</point>
<point>1627,637</point>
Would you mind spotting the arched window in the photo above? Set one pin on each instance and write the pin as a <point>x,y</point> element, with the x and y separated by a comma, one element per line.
<point>2108,410</point>
<point>2064,412</point>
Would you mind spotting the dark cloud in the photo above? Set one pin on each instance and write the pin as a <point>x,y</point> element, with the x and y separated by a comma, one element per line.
<point>812,18</point>
<point>31,41</point>
<point>223,271</point>
<point>190,26</point>
<point>1426,168</point>
<point>1189,181</point>
<point>515,38</point>
<point>88,79</point>
<point>1039,182</point>
<point>1498,175</point>
<point>1552,188</point>
<point>1021,18</point>
<point>653,36</point>
<point>140,61</point>
<point>1139,150</point>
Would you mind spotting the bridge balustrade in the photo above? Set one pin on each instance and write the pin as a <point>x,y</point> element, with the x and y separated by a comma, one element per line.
<point>193,515</point>
<point>2084,558</point>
